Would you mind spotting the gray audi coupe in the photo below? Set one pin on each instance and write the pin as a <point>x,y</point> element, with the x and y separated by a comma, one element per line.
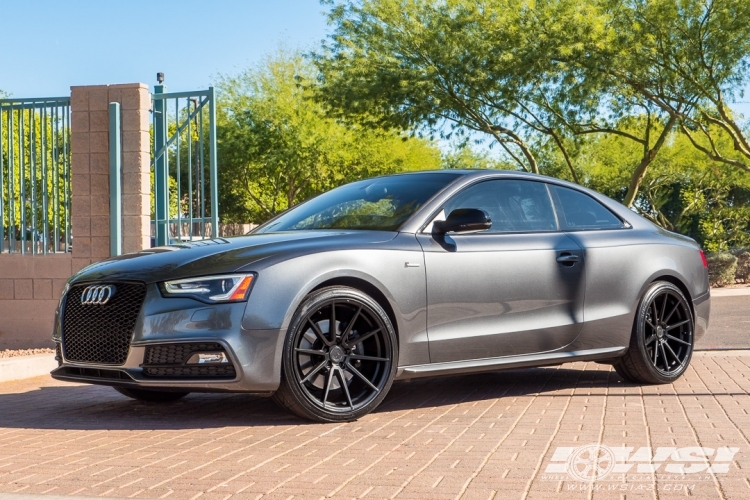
<point>392,278</point>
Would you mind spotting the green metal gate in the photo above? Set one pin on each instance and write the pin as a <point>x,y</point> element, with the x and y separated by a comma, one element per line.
<point>184,166</point>
<point>35,175</point>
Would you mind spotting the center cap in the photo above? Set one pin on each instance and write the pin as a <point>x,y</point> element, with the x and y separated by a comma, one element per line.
<point>337,354</point>
<point>659,332</point>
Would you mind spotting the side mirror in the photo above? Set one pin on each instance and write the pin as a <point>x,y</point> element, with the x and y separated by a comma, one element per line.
<point>463,220</point>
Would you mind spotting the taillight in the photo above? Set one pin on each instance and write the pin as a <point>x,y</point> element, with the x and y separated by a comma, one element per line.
<point>703,258</point>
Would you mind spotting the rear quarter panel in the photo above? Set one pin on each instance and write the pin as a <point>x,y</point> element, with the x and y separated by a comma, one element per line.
<point>620,265</point>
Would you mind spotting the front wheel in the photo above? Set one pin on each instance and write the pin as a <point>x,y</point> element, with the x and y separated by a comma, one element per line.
<point>339,357</point>
<point>662,342</point>
<point>151,396</point>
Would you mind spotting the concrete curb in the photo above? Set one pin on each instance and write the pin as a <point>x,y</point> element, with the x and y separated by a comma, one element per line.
<point>26,367</point>
<point>730,292</point>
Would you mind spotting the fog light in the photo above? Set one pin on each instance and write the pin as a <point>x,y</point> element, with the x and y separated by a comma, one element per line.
<point>200,358</point>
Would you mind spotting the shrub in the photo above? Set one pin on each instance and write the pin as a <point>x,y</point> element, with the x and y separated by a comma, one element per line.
<point>743,267</point>
<point>721,269</point>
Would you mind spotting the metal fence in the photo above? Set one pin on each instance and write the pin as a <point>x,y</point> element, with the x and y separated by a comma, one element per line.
<point>35,185</point>
<point>184,183</point>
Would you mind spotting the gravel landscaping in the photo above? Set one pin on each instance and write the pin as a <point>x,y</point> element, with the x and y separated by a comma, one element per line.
<point>14,353</point>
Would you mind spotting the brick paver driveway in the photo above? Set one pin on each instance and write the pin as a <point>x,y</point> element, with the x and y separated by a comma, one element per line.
<point>497,435</point>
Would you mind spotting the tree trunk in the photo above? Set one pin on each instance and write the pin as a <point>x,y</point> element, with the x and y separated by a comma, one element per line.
<point>640,172</point>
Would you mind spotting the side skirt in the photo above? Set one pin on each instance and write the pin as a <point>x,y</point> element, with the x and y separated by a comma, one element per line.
<point>507,362</point>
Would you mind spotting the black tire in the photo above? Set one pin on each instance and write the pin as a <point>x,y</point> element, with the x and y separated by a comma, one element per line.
<point>151,396</point>
<point>661,345</point>
<point>342,377</point>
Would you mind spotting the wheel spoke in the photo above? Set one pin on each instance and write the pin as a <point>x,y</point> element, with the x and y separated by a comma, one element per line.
<point>365,337</point>
<point>650,324</point>
<point>673,354</point>
<point>314,372</point>
<point>317,331</point>
<point>329,379</point>
<point>650,339</point>
<point>666,320</point>
<point>332,327</point>
<point>670,327</point>
<point>663,307</point>
<point>368,358</point>
<point>342,381</point>
<point>310,352</point>
<point>654,312</point>
<point>349,327</point>
<point>656,353</point>
<point>672,337</point>
<point>356,372</point>
<point>664,355</point>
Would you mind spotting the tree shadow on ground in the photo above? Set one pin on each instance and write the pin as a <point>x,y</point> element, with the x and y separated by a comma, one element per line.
<point>88,407</point>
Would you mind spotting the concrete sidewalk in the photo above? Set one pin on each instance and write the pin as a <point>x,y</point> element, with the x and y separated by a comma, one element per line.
<point>506,435</point>
<point>24,367</point>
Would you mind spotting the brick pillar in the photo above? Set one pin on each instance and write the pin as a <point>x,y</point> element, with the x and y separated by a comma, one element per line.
<point>90,169</point>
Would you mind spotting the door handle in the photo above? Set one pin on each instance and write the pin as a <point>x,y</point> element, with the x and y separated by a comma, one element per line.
<point>568,259</point>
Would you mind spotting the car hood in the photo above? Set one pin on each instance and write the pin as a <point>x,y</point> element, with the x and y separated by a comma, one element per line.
<point>223,255</point>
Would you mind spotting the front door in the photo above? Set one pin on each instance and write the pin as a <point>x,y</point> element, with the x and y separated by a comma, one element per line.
<point>517,288</point>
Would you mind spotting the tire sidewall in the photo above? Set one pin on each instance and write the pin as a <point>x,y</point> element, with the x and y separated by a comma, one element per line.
<point>289,382</point>
<point>639,337</point>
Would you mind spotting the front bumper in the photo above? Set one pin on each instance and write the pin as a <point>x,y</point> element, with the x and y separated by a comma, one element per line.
<point>255,354</point>
<point>702,308</point>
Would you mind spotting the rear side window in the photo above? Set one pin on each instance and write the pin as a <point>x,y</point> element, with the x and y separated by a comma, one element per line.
<point>579,211</point>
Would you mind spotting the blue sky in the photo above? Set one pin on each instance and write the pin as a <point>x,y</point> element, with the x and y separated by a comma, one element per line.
<point>49,45</point>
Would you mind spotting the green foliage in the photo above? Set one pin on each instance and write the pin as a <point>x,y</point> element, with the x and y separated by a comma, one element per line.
<point>277,147</point>
<point>743,267</point>
<point>721,269</point>
<point>172,198</point>
<point>552,72</point>
<point>682,191</point>
<point>468,158</point>
<point>24,188</point>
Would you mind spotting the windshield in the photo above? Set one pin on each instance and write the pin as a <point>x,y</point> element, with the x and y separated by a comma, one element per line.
<point>380,204</point>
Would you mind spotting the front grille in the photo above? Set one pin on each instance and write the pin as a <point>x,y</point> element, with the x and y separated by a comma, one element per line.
<point>76,371</point>
<point>168,360</point>
<point>101,333</point>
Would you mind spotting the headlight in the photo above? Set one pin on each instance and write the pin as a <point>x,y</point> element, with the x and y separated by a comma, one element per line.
<point>225,288</point>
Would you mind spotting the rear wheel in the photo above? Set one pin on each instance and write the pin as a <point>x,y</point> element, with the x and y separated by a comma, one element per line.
<point>151,396</point>
<point>339,358</point>
<point>662,342</point>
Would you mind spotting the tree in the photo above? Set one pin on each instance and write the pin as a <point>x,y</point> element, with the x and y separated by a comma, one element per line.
<point>697,54</point>
<point>277,147</point>
<point>683,190</point>
<point>519,72</point>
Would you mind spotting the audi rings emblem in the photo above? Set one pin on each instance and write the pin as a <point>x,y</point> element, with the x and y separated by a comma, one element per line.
<point>97,294</point>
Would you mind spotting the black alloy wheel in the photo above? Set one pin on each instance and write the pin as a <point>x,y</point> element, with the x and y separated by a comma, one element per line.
<point>662,343</point>
<point>340,356</point>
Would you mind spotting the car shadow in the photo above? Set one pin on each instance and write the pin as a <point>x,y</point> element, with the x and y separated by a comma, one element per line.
<point>88,407</point>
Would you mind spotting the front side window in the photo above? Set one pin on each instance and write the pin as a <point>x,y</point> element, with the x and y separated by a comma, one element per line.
<point>579,211</point>
<point>513,205</point>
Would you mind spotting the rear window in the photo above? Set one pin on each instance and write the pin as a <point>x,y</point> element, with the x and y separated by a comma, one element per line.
<point>579,211</point>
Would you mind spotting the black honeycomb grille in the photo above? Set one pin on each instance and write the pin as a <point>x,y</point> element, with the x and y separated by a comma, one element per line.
<point>101,333</point>
<point>168,360</point>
